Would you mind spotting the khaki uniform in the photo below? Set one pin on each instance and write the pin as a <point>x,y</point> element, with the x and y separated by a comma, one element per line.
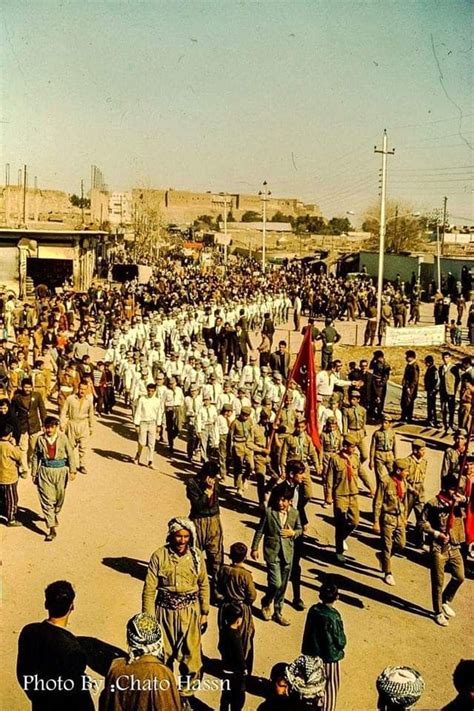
<point>343,486</point>
<point>451,462</point>
<point>331,443</point>
<point>288,419</point>
<point>77,420</point>
<point>261,459</point>
<point>435,519</point>
<point>390,512</point>
<point>354,420</point>
<point>416,490</point>
<point>178,580</point>
<point>300,446</point>
<point>382,453</point>
<point>241,436</point>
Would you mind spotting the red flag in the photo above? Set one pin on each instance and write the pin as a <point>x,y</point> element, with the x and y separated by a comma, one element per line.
<point>470,510</point>
<point>303,373</point>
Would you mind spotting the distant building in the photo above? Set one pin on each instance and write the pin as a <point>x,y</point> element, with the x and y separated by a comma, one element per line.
<point>120,208</point>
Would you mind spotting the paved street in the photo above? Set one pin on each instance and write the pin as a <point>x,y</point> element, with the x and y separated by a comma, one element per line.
<point>116,516</point>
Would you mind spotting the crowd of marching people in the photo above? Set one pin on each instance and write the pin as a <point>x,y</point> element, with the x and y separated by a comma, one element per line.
<point>179,356</point>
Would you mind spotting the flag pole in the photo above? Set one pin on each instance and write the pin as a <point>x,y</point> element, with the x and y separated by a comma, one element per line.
<point>288,381</point>
<point>465,455</point>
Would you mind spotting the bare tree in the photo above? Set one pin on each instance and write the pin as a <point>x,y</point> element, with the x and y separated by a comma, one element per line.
<point>148,224</point>
<point>404,231</point>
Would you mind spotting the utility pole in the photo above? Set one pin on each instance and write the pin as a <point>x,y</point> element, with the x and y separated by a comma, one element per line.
<point>225,229</point>
<point>438,256</point>
<point>383,194</point>
<point>7,175</point>
<point>264,194</point>
<point>24,194</point>
<point>82,202</point>
<point>445,214</point>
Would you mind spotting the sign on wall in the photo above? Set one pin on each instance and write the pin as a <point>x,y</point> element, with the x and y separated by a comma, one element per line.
<point>416,336</point>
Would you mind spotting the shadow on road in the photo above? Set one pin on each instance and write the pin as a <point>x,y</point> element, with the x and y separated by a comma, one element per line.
<point>110,454</point>
<point>361,590</point>
<point>131,566</point>
<point>28,518</point>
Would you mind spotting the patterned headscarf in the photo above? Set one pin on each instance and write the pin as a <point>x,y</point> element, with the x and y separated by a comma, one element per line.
<point>307,677</point>
<point>176,524</point>
<point>400,685</point>
<point>144,637</point>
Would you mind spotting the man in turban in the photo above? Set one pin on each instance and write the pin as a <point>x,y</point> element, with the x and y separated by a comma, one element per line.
<point>141,681</point>
<point>176,591</point>
<point>400,688</point>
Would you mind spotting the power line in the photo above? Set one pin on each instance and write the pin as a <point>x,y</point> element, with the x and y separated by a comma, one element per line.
<point>420,181</point>
<point>433,170</point>
<point>428,123</point>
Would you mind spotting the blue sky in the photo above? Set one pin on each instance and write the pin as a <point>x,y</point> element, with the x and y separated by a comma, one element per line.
<point>222,95</point>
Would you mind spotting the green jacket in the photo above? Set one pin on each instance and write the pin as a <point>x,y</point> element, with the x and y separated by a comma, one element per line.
<point>201,505</point>
<point>324,634</point>
<point>273,543</point>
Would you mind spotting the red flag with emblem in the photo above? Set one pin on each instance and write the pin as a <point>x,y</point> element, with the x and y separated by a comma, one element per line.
<point>303,373</point>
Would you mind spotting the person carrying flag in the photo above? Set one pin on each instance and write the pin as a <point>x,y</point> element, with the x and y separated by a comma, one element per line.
<point>443,519</point>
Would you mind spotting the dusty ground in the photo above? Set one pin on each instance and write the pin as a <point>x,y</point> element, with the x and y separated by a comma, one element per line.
<point>116,516</point>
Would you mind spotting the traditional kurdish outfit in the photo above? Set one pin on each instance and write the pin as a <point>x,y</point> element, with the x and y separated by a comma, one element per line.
<point>177,591</point>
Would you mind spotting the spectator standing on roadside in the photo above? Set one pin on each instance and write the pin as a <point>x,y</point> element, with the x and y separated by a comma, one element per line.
<point>324,637</point>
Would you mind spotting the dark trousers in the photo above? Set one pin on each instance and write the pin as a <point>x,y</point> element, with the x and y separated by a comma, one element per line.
<point>295,575</point>
<point>171,426</point>
<point>449,559</point>
<point>407,404</point>
<point>233,697</point>
<point>416,503</point>
<point>448,404</point>
<point>210,541</point>
<point>326,358</point>
<point>432,415</point>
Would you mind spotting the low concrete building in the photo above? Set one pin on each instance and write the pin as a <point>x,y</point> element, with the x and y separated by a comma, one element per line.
<point>423,265</point>
<point>32,257</point>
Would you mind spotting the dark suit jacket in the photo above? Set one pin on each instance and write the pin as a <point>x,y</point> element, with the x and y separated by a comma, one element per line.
<point>217,339</point>
<point>31,414</point>
<point>244,342</point>
<point>276,363</point>
<point>273,543</point>
<point>304,495</point>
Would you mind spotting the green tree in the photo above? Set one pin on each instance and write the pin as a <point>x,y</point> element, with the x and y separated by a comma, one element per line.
<point>79,202</point>
<point>309,223</point>
<point>230,216</point>
<point>338,225</point>
<point>403,230</point>
<point>251,216</point>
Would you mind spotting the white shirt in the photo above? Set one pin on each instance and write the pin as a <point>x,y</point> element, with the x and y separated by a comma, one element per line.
<point>206,418</point>
<point>174,398</point>
<point>148,409</point>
